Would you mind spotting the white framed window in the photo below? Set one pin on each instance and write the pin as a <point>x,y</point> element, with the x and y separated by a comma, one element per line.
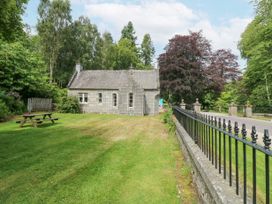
<point>83,98</point>
<point>100,98</point>
<point>114,99</point>
<point>130,100</point>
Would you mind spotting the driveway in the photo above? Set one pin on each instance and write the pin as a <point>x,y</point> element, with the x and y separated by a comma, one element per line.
<point>249,122</point>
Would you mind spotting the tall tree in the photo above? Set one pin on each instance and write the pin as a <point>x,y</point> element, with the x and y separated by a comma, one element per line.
<point>81,43</point>
<point>54,18</point>
<point>223,68</point>
<point>182,67</point>
<point>126,55</point>
<point>88,43</point>
<point>11,19</point>
<point>147,51</point>
<point>128,32</point>
<point>108,51</point>
<point>256,46</point>
<point>264,8</point>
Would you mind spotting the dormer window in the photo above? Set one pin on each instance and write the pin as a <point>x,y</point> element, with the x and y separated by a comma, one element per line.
<point>83,98</point>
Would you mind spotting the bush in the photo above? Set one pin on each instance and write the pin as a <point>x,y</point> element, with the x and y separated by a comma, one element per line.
<point>68,104</point>
<point>4,111</point>
<point>13,102</point>
<point>168,119</point>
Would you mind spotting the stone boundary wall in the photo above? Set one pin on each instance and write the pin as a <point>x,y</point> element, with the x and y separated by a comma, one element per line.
<point>211,186</point>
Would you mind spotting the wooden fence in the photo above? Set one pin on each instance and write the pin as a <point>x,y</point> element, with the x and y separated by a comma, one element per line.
<point>39,104</point>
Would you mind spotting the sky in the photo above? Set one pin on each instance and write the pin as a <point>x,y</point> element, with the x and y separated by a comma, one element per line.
<point>222,21</point>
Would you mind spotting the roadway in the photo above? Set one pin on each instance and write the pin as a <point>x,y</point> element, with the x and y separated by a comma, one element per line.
<point>260,125</point>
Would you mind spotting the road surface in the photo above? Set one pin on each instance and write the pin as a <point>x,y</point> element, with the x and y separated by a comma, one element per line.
<point>249,122</point>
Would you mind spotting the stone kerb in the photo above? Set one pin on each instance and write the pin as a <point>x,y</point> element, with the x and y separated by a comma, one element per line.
<point>212,188</point>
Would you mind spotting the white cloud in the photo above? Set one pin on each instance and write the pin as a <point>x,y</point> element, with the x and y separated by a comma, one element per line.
<point>163,19</point>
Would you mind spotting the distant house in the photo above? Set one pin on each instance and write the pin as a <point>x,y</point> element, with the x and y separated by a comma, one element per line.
<point>131,92</point>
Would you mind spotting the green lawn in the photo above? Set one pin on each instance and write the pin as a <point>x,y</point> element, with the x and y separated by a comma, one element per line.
<point>93,159</point>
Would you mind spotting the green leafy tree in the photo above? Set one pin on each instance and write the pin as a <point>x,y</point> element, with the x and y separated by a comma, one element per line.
<point>88,43</point>
<point>21,71</point>
<point>54,18</point>
<point>126,55</point>
<point>147,51</point>
<point>128,32</point>
<point>256,46</point>
<point>11,25</point>
<point>108,51</point>
<point>264,8</point>
<point>81,43</point>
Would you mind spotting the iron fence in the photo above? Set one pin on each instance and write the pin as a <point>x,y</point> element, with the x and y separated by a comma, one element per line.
<point>221,142</point>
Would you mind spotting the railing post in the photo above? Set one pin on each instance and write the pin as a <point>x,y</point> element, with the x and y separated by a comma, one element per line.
<point>195,127</point>
<point>254,138</point>
<point>236,133</point>
<point>267,143</point>
<point>244,135</point>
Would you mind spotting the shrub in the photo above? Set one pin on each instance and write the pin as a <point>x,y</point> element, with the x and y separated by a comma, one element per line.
<point>168,119</point>
<point>13,102</point>
<point>4,111</point>
<point>68,104</point>
<point>15,105</point>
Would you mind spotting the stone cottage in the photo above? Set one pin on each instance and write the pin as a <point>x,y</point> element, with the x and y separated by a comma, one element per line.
<point>131,92</point>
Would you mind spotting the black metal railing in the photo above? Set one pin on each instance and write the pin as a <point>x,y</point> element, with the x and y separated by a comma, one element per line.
<point>248,169</point>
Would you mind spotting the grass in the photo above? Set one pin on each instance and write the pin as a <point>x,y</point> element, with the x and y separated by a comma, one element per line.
<point>266,118</point>
<point>93,159</point>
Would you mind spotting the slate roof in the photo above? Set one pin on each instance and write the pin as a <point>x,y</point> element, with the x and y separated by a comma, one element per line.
<point>114,79</point>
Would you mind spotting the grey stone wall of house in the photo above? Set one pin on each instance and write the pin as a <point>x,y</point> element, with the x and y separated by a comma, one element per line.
<point>93,105</point>
<point>211,187</point>
<point>151,102</point>
<point>138,101</point>
<point>145,102</point>
<point>143,84</point>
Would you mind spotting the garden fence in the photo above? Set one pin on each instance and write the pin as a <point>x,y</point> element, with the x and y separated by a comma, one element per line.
<point>39,104</point>
<point>221,142</point>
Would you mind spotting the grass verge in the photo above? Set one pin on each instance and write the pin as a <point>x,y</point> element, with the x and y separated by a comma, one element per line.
<point>93,159</point>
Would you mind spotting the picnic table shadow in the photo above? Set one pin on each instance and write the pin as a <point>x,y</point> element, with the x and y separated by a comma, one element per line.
<point>43,125</point>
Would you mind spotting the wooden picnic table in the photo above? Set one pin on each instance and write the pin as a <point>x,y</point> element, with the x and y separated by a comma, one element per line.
<point>35,119</point>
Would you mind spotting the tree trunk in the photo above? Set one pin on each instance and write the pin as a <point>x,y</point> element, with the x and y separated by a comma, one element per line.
<point>50,71</point>
<point>267,90</point>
